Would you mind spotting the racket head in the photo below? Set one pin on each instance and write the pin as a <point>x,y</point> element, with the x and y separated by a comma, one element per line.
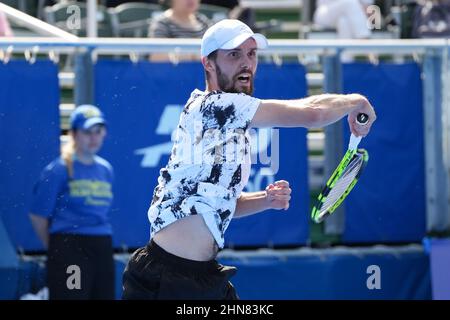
<point>341,182</point>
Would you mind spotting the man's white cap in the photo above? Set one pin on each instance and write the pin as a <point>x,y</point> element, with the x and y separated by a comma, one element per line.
<point>229,34</point>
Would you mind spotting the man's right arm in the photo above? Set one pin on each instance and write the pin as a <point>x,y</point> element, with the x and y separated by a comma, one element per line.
<point>315,111</point>
<point>40,225</point>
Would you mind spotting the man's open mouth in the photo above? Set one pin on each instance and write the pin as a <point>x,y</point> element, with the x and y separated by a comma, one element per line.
<point>244,78</point>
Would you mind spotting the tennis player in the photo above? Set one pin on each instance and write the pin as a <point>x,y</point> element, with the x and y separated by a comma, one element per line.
<point>199,191</point>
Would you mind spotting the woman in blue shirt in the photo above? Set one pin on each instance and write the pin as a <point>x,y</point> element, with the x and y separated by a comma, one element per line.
<point>70,213</point>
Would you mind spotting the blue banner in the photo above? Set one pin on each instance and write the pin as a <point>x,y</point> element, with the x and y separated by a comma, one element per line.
<point>334,274</point>
<point>388,203</point>
<point>142,103</point>
<point>439,250</point>
<point>379,273</point>
<point>29,140</point>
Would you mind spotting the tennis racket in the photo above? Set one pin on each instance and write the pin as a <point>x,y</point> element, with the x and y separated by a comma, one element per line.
<point>343,178</point>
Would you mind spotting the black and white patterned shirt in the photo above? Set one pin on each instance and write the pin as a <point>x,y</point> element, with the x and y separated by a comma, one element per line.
<point>209,163</point>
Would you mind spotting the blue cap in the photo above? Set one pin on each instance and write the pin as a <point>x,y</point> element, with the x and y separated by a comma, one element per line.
<point>86,116</point>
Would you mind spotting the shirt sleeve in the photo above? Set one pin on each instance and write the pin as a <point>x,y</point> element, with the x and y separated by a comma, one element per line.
<point>230,110</point>
<point>47,189</point>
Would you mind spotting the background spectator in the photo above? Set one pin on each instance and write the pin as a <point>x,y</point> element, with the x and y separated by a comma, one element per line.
<point>70,213</point>
<point>348,17</point>
<point>432,19</point>
<point>181,20</point>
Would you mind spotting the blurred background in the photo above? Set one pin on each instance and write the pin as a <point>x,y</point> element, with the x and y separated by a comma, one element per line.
<point>390,239</point>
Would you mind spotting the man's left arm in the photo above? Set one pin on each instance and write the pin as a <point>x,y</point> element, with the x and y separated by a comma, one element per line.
<point>276,196</point>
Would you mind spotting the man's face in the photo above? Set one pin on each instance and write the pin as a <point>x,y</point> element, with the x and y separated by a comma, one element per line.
<point>236,68</point>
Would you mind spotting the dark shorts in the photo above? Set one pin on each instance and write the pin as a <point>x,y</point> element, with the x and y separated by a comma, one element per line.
<point>80,267</point>
<point>154,274</point>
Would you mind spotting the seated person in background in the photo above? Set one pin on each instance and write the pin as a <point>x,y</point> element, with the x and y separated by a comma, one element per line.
<point>348,17</point>
<point>181,20</point>
<point>5,29</point>
<point>431,19</point>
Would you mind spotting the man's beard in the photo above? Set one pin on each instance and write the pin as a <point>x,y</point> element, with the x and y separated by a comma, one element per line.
<point>229,86</point>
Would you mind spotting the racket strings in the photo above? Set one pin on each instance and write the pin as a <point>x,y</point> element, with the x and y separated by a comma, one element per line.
<point>343,182</point>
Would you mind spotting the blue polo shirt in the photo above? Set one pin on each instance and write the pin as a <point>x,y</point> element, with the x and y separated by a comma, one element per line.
<point>79,205</point>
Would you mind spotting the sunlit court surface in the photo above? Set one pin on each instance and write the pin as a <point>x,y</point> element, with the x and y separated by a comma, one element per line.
<point>198,152</point>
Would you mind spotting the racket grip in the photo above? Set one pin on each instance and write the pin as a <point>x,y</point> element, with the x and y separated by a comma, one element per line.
<point>354,142</point>
<point>362,118</point>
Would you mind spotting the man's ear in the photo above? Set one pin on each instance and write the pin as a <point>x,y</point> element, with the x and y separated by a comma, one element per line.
<point>208,64</point>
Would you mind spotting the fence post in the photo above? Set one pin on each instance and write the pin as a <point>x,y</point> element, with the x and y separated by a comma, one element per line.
<point>446,116</point>
<point>84,78</point>
<point>436,173</point>
<point>333,137</point>
<point>305,17</point>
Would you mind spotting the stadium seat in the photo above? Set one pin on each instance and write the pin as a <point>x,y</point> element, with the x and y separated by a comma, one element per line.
<point>133,19</point>
<point>27,6</point>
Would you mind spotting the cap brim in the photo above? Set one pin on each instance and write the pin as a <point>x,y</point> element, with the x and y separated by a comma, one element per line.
<point>93,121</point>
<point>261,41</point>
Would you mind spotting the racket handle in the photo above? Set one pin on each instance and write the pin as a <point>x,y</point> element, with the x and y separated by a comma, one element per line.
<point>354,142</point>
<point>362,118</point>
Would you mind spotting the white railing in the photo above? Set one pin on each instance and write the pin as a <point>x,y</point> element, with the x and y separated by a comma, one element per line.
<point>280,47</point>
